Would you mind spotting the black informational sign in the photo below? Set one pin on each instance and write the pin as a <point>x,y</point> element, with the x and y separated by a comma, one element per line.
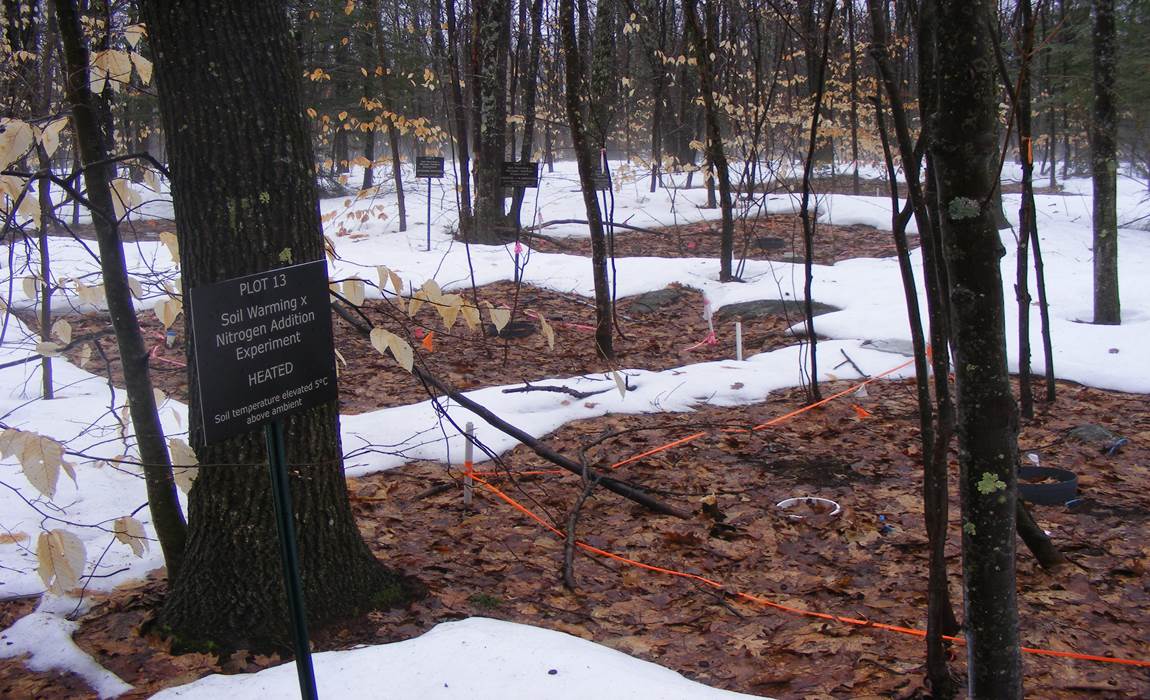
<point>515,174</point>
<point>263,347</point>
<point>428,166</point>
<point>600,180</point>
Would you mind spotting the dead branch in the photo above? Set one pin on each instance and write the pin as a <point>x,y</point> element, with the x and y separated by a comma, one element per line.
<point>583,222</point>
<point>557,389</point>
<point>615,486</point>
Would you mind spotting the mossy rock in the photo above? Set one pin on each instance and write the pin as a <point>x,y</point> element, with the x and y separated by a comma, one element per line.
<point>752,310</point>
<point>653,302</point>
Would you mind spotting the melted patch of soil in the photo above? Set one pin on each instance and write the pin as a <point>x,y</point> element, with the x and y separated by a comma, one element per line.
<point>775,237</point>
<point>655,339</point>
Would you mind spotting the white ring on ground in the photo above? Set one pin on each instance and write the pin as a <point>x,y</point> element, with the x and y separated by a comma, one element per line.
<point>808,500</point>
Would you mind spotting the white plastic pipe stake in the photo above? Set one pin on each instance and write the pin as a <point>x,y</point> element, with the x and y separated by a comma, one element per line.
<point>739,341</point>
<point>468,456</point>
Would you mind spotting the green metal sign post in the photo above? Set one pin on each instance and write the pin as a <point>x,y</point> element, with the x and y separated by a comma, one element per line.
<point>289,553</point>
<point>263,349</point>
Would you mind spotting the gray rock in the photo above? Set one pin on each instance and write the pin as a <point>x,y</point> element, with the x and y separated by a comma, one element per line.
<point>1093,434</point>
<point>751,310</point>
<point>652,302</point>
<point>891,345</point>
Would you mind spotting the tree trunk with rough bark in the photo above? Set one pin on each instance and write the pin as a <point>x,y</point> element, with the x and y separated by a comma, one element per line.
<point>458,108</point>
<point>965,150</point>
<point>245,202</point>
<point>1104,166</point>
<point>492,38</point>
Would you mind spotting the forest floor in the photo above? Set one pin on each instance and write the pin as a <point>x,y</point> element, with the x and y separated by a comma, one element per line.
<point>868,562</point>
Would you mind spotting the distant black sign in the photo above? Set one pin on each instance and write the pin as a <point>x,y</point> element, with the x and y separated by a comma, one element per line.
<point>263,347</point>
<point>516,174</point>
<point>600,180</point>
<point>428,166</point>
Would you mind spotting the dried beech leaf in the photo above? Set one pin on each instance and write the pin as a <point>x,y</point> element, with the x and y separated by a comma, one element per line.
<point>620,383</point>
<point>131,532</point>
<point>182,454</point>
<point>354,291</point>
<point>471,317</point>
<point>448,308</point>
<point>61,558</point>
<point>169,240</point>
<point>548,332</point>
<point>499,317</point>
<point>168,311</point>
<point>62,330</point>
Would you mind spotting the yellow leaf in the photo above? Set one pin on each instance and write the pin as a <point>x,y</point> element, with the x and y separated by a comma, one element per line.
<point>30,207</point>
<point>383,340</point>
<point>124,197</point>
<point>620,383</point>
<point>499,317</point>
<point>184,478</point>
<point>183,464</point>
<point>62,330</point>
<point>50,135</point>
<point>16,139</point>
<point>182,455</point>
<point>448,308</point>
<point>167,310</point>
<point>61,557</point>
<point>48,349</point>
<point>171,243</point>
<point>40,458</point>
<point>143,67</point>
<point>131,532</point>
<point>354,291</point>
<point>349,7</point>
<point>93,295</point>
<point>471,317</point>
<point>548,332</point>
<point>133,33</point>
<point>415,303</point>
<point>85,355</point>
<point>30,285</point>
<point>431,290</point>
<point>136,288</point>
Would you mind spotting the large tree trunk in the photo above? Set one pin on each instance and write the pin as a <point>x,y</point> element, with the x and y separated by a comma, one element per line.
<point>245,201</point>
<point>492,30</point>
<point>458,108</point>
<point>162,500</point>
<point>965,148</point>
<point>1104,166</point>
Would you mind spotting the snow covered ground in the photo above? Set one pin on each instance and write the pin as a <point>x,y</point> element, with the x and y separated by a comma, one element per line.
<point>504,660</point>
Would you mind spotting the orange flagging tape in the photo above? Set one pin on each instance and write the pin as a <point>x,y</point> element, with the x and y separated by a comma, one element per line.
<point>773,421</point>
<point>786,608</point>
<point>533,472</point>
